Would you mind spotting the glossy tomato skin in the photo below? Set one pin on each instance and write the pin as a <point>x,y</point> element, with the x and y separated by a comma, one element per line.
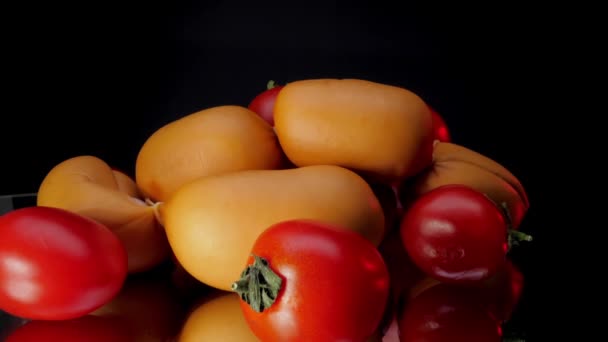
<point>440,127</point>
<point>57,265</point>
<point>263,104</point>
<point>455,234</point>
<point>445,313</point>
<point>335,284</point>
<point>86,328</point>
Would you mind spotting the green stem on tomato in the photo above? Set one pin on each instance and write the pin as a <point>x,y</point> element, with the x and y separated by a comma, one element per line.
<point>270,85</point>
<point>259,285</point>
<point>514,237</point>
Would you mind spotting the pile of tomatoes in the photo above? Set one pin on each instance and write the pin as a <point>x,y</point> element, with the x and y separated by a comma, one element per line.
<point>440,272</point>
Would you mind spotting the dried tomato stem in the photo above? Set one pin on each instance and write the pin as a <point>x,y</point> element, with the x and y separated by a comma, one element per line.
<point>259,285</point>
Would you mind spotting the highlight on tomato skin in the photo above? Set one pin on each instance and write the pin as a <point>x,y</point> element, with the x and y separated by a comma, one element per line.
<point>446,312</point>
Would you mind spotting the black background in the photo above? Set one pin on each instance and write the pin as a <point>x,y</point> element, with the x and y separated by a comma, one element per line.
<point>100,79</point>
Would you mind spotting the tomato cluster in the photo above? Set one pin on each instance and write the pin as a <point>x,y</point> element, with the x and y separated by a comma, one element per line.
<point>449,250</point>
<point>419,253</point>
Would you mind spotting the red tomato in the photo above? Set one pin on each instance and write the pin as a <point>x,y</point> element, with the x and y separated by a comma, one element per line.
<point>86,328</point>
<point>447,313</point>
<point>310,281</point>
<point>455,234</point>
<point>57,265</point>
<point>263,103</point>
<point>440,128</point>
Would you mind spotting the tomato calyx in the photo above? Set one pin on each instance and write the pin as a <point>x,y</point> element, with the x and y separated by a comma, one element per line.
<point>514,237</point>
<point>271,84</point>
<point>259,285</point>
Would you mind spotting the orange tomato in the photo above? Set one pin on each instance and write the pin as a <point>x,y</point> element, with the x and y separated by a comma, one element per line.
<point>86,185</point>
<point>212,223</point>
<point>209,142</point>
<point>379,130</point>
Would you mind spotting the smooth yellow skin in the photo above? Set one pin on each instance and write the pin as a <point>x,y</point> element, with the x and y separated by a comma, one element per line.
<point>86,185</point>
<point>212,223</point>
<point>209,142</point>
<point>374,128</point>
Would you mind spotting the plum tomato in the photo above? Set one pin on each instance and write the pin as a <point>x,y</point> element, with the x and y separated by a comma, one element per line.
<point>311,281</point>
<point>455,234</point>
<point>57,265</point>
<point>263,103</point>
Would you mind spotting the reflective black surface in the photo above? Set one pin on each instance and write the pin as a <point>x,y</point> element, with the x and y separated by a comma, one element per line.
<point>101,81</point>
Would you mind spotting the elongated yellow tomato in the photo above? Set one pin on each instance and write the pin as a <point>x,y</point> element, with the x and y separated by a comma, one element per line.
<point>377,129</point>
<point>208,142</point>
<point>218,318</point>
<point>212,223</point>
<point>86,185</point>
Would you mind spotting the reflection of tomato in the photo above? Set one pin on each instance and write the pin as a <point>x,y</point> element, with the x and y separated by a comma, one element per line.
<point>455,234</point>
<point>317,283</point>
<point>55,264</point>
<point>499,294</point>
<point>447,313</point>
<point>503,292</point>
<point>86,328</point>
<point>149,306</point>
